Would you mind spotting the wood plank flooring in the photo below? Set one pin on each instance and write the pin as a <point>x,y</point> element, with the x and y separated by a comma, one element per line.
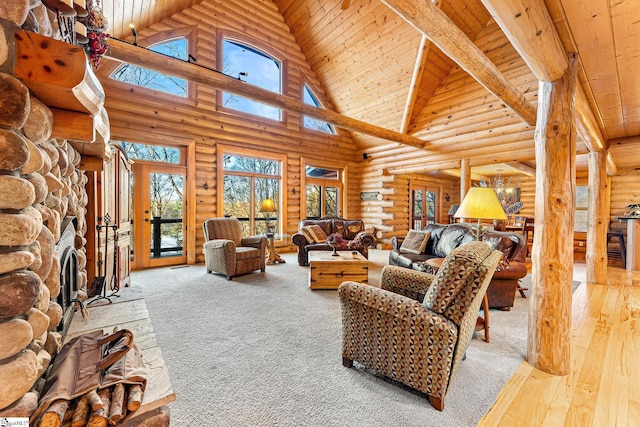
<point>603,387</point>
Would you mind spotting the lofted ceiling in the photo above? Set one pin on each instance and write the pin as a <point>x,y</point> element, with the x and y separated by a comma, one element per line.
<point>376,67</point>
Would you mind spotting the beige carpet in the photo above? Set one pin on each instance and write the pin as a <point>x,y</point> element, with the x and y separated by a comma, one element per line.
<point>264,350</point>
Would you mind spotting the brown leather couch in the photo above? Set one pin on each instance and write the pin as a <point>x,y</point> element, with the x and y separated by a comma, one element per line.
<point>352,230</point>
<point>446,237</point>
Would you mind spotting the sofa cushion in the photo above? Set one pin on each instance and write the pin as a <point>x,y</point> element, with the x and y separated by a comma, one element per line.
<point>500,242</point>
<point>452,276</point>
<point>314,233</point>
<point>415,242</point>
<point>352,228</point>
<point>450,239</point>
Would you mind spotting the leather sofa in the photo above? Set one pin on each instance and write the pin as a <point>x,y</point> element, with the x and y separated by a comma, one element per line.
<point>446,237</point>
<point>352,230</point>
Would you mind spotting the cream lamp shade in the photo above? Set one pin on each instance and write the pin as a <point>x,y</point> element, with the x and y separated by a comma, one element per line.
<point>268,205</point>
<point>481,203</point>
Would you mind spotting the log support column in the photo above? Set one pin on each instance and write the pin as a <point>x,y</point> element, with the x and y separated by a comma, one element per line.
<point>552,252</point>
<point>598,219</point>
<point>465,178</point>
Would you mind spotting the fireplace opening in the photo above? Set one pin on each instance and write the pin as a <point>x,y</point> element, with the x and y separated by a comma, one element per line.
<point>68,272</point>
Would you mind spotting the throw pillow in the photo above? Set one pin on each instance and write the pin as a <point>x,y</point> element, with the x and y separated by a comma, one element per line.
<point>316,233</point>
<point>453,274</point>
<point>415,242</point>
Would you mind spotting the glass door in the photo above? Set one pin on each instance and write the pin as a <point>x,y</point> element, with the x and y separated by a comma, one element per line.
<point>424,206</point>
<point>159,212</point>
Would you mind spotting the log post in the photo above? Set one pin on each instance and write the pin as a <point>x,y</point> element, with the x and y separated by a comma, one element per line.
<point>465,178</point>
<point>552,253</point>
<point>598,219</point>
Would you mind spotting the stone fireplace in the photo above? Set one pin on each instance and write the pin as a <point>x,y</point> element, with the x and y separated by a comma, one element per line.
<point>43,206</point>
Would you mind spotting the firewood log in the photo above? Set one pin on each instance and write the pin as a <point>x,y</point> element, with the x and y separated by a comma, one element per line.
<point>94,400</point>
<point>99,418</point>
<point>105,396</point>
<point>81,414</point>
<point>134,400</point>
<point>116,411</point>
<point>55,414</point>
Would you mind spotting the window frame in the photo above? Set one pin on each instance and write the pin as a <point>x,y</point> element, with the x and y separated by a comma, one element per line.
<point>255,44</point>
<point>313,92</point>
<point>341,183</point>
<point>221,172</point>
<point>188,33</point>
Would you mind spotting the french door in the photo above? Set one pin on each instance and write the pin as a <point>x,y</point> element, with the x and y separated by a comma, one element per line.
<point>159,215</point>
<point>424,206</point>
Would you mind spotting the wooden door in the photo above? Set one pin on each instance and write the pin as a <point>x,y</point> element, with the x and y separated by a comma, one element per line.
<point>159,215</point>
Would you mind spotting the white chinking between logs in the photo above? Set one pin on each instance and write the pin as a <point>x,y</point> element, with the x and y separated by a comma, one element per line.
<point>40,184</point>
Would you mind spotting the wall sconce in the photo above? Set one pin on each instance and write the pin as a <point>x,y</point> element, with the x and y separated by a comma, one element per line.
<point>134,33</point>
<point>447,197</point>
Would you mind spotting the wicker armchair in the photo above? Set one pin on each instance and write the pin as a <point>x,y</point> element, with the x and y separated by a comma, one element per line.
<point>227,252</point>
<point>419,343</point>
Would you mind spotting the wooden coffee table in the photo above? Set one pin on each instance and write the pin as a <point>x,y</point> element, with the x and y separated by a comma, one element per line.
<point>327,271</point>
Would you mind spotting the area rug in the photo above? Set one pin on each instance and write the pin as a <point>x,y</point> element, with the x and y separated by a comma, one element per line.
<point>265,350</point>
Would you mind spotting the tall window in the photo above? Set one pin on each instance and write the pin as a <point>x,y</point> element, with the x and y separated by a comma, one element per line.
<point>582,208</point>
<point>256,68</point>
<point>247,181</point>
<point>139,76</point>
<point>311,123</point>
<point>323,191</point>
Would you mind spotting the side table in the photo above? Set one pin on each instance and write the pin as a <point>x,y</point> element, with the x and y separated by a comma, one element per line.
<point>433,265</point>
<point>273,256</point>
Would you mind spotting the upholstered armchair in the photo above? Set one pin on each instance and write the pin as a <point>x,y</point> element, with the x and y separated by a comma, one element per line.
<point>227,252</point>
<point>417,328</point>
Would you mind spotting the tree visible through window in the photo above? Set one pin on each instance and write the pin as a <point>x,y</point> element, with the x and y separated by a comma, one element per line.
<point>256,68</point>
<point>139,76</point>
<point>247,182</point>
<point>311,123</point>
<point>323,190</point>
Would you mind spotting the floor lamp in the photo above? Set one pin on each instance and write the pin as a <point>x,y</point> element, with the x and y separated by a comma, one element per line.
<point>481,203</point>
<point>268,206</point>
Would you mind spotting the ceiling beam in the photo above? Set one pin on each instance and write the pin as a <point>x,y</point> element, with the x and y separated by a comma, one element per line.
<point>143,57</point>
<point>416,78</point>
<point>531,31</point>
<point>526,169</point>
<point>426,167</point>
<point>427,18</point>
<point>585,122</point>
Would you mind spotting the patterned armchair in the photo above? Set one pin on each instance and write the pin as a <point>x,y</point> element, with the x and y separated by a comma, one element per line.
<point>227,252</point>
<point>417,328</point>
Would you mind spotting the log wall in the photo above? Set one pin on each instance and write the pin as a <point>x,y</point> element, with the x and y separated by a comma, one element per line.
<point>142,115</point>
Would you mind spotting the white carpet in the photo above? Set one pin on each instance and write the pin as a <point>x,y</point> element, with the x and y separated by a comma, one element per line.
<point>264,350</point>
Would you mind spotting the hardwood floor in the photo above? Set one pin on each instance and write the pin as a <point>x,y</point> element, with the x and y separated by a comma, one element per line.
<point>603,388</point>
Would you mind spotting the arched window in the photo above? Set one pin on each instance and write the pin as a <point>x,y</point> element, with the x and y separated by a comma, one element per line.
<point>311,123</point>
<point>254,67</point>
<point>139,76</point>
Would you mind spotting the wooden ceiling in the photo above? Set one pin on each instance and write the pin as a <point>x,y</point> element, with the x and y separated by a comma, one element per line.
<point>375,67</point>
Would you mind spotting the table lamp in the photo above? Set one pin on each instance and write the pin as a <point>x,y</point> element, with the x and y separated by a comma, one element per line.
<point>480,203</point>
<point>268,206</point>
